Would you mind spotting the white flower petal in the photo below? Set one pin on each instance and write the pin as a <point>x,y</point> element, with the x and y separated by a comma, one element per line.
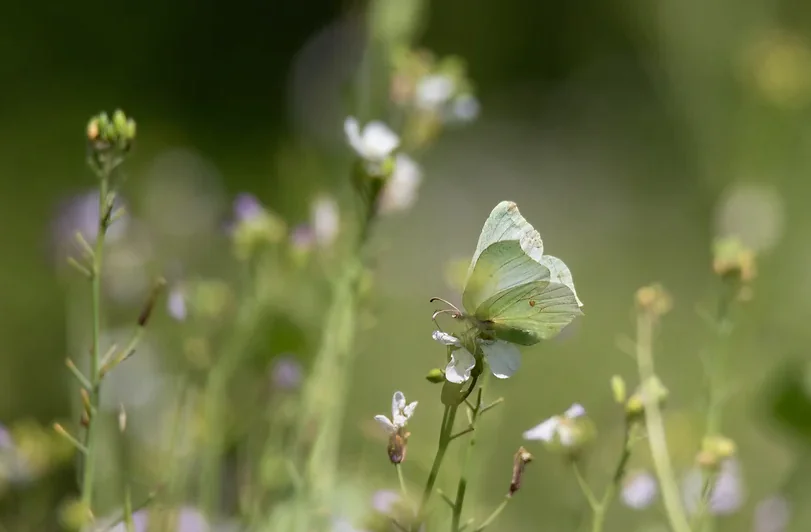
<point>434,91</point>
<point>352,130</point>
<point>545,431</point>
<point>727,494</point>
<point>465,108</point>
<point>400,191</point>
<point>398,402</point>
<point>503,357</point>
<point>772,514</point>
<point>575,411</point>
<point>459,368</point>
<point>379,141</point>
<point>445,338</point>
<point>639,490</point>
<point>408,411</point>
<point>387,425</point>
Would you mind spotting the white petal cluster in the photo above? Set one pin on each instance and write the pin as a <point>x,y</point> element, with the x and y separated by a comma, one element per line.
<point>503,358</point>
<point>558,428</point>
<point>400,413</point>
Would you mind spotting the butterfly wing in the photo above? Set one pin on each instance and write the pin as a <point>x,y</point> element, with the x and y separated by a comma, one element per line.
<point>506,223</point>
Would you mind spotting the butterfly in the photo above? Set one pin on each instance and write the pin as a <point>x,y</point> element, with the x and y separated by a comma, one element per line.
<point>513,294</point>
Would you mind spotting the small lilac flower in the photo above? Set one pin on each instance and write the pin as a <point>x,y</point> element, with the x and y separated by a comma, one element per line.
<point>560,429</point>
<point>465,108</point>
<point>6,443</point>
<point>176,304</point>
<point>400,191</point>
<point>772,514</point>
<point>374,143</point>
<point>343,525</point>
<point>188,520</point>
<point>384,501</point>
<point>302,237</point>
<point>286,373</point>
<point>400,414</point>
<point>727,494</point>
<point>326,221</point>
<point>639,490</point>
<point>80,213</point>
<point>247,207</point>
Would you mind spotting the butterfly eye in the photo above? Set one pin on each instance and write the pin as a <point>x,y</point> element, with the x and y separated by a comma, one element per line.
<point>531,302</point>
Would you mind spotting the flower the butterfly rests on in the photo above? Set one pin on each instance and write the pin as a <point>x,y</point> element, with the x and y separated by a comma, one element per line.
<point>513,295</point>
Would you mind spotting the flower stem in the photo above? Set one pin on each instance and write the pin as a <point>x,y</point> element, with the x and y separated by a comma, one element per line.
<point>462,487</point>
<point>655,426</point>
<point>403,488</point>
<point>444,439</point>
<point>95,357</point>
<point>492,517</point>
<point>715,388</point>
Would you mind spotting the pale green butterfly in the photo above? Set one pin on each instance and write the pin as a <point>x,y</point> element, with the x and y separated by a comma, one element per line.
<point>513,292</point>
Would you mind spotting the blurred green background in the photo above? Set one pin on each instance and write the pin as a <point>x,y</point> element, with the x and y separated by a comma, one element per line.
<point>630,134</point>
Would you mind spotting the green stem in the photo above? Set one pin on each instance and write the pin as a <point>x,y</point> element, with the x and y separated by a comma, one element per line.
<point>403,488</point>
<point>95,357</point>
<point>594,504</point>
<point>715,388</point>
<point>444,439</point>
<point>492,517</point>
<point>462,487</point>
<point>655,426</point>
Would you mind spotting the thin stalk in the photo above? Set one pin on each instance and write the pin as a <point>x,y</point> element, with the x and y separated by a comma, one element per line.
<point>492,517</point>
<point>444,439</point>
<point>715,388</point>
<point>95,358</point>
<point>403,487</point>
<point>461,488</point>
<point>656,432</point>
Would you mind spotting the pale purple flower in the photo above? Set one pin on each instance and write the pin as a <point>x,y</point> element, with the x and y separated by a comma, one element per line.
<point>465,108</point>
<point>772,514</point>
<point>176,304</point>
<point>6,443</point>
<point>286,373</point>
<point>188,520</point>
<point>639,490</point>
<point>247,207</point>
<point>384,501</point>
<point>434,91</point>
<point>80,213</point>
<point>727,493</point>
<point>302,237</point>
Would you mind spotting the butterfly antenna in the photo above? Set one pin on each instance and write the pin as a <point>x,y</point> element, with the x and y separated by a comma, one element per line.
<point>459,312</point>
<point>454,314</point>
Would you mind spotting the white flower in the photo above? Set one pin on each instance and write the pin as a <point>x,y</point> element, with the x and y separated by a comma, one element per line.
<point>400,191</point>
<point>400,414</point>
<point>503,358</point>
<point>727,493</point>
<point>772,515</point>
<point>445,338</point>
<point>639,490</point>
<point>434,91</point>
<point>375,142</point>
<point>326,221</point>
<point>558,428</point>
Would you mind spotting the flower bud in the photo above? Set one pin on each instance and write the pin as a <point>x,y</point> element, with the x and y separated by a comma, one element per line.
<point>618,388</point>
<point>654,300</point>
<point>732,260</point>
<point>635,407</point>
<point>520,460</point>
<point>435,376</point>
<point>75,515</point>
<point>714,450</point>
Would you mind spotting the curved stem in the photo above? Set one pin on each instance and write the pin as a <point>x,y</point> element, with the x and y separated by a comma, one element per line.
<point>656,432</point>
<point>492,517</point>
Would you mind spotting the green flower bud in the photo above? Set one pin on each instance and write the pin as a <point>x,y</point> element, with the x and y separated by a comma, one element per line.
<point>654,388</point>
<point>75,515</point>
<point>618,388</point>
<point>435,376</point>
